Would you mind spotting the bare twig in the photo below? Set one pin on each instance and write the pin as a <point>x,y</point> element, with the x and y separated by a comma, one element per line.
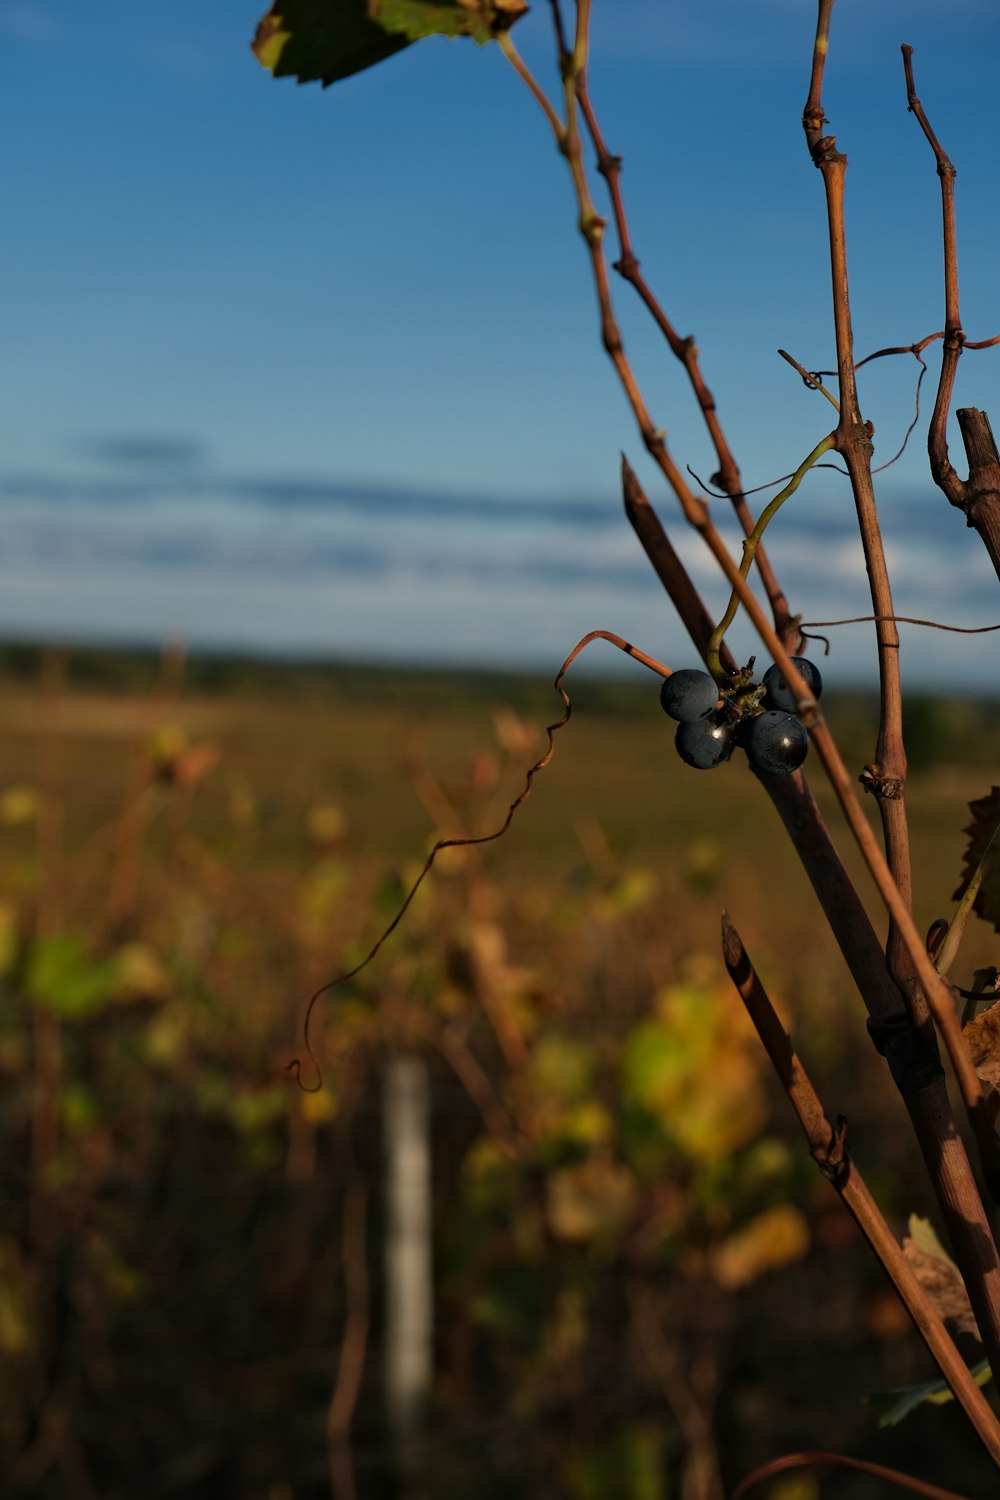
<point>686,350</point>
<point>668,567</point>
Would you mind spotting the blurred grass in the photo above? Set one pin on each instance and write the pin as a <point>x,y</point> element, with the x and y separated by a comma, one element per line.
<point>284,806</point>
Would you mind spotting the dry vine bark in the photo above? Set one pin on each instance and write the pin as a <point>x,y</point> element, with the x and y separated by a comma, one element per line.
<point>909,1004</point>
<point>910,1007</point>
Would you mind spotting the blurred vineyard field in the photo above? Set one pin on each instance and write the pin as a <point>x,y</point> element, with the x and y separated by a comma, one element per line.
<point>642,1285</point>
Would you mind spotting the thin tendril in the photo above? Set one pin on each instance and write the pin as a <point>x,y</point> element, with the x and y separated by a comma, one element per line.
<point>463,843</point>
<point>750,545</point>
<point>916,419</point>
<point>724,495</point>
<point>903,620</point>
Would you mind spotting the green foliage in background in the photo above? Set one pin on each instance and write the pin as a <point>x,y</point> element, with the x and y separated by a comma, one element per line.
<point>618,1192</point>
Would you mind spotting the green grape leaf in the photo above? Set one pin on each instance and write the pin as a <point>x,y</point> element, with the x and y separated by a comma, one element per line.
<point>327,40</point>
<point>985,817</point>
<point>323,40</point>
<point>892,1406</point>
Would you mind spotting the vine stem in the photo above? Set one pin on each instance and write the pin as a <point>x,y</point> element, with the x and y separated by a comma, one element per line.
<point>684,349</point>
<point>828,1149</point>
<point>750,547</point>
<point>696,513</point>
<point>952,1178</point>
<point>530,81</point>
<point>922,990</point>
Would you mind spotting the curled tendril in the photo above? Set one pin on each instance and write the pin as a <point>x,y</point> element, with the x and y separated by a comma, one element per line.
<point>770,485</point>
<point>807,636</point>
<point>295,1066</point>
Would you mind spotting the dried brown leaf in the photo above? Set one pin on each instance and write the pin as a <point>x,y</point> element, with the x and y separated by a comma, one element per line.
<point>939,1276</point>
<point>985,817</point>
<point>983,1038</point>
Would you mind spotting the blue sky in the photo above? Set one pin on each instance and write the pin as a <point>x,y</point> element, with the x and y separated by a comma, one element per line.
<point>288,370</point>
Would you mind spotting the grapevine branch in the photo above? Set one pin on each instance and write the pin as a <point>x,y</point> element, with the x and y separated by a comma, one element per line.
<point>669,569</point>
<point>795,805</point>
<point>684,349</point>
<point>909,964</point>
<point>927,993</point>
<point>828,1149</point>
<point>932,987</point>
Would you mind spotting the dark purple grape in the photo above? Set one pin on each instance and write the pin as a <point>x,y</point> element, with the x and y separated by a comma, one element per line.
<point>704,743</point>
<point>688,695</point>
<point>777,695</point>
<point>775,742</point>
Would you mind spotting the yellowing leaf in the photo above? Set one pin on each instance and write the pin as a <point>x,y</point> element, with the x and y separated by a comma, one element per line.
<point>479,19</point>
<point>270,40</point>
<point>590,1200</point>
<point>561,1067</point>
<point>139,973</point>
<point>325,824</point>
<point>320,1106</point>
<point>773,1239</point>
<point>694,1069</point>
<point>19,805</point>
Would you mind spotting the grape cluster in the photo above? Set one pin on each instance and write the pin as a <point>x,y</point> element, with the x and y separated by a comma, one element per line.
<point>712,722</point>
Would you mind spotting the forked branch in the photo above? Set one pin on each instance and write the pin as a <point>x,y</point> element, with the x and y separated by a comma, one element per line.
<point>979,495</point>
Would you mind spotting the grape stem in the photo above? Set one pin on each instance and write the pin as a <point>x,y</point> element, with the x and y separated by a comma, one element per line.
<point>713,659</point>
